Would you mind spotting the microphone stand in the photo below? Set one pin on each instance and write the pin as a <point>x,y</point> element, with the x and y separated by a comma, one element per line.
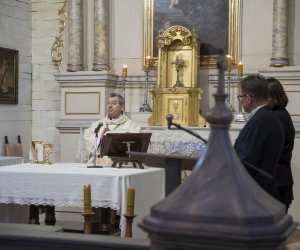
<point>95,153</point>
<point>170,123</point>
<point>262,172</point>
<point>189,131</point>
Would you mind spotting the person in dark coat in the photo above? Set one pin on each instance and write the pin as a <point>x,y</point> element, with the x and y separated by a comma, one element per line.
<point>284,178</point>
<point>260,142</point>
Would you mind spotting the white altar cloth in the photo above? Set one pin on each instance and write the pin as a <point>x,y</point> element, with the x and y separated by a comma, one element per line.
<point>10,160</point>
<point>61,184</point>
<point>18,213</point>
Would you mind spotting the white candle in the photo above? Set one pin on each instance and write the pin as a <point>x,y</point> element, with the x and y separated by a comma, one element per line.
<point>147,62</point>
<point>229,62</point>
<point>124,71</point>
<point>87,199</point>
<point>130,201</point>
<point>240,67</point>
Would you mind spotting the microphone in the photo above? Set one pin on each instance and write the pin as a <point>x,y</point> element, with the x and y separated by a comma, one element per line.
<point>169,118</point>
<point>96,131</point>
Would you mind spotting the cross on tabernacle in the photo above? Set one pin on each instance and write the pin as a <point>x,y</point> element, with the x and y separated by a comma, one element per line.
<point>179,64</point>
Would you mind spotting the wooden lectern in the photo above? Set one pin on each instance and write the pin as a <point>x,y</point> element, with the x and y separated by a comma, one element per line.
<point>117,146</point>
<point>173,164</point>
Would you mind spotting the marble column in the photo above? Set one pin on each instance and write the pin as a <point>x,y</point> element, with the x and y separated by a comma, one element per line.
<point>101,35</point>
<point>280,34</point>
<point>75,35</point>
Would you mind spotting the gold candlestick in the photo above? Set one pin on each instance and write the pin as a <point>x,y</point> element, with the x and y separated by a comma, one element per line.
<point>124,76</point>
<point>88,222</point>
<point>37,145</point>
<point>47,149</point>
<point>145,107</point>
<point>129,221</point>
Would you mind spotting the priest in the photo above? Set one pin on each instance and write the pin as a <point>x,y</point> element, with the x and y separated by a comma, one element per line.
<point>115,121</point>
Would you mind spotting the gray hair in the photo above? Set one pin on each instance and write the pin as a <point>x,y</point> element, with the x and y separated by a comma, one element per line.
<point>255,86</point>
<point>121,98</point>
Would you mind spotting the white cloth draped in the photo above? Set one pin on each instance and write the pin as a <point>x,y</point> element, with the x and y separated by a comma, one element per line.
<point>10,212</point>
<point>61,184</point>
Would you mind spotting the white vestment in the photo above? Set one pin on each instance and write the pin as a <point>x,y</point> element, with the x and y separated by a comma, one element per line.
<point>122,124</point>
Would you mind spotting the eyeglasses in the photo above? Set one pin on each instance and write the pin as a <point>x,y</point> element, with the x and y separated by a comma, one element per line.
<point>241,96</point>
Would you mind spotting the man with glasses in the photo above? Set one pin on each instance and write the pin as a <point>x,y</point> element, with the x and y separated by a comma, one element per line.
<point>259,143</point>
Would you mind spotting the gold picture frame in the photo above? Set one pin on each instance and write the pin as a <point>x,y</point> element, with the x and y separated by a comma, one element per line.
<point>9,60</point>
<point>168,10</point>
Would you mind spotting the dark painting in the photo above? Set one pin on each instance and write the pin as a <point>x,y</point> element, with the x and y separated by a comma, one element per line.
<point>8,76</point>
<point>208,17</point>
<point>216,22</point>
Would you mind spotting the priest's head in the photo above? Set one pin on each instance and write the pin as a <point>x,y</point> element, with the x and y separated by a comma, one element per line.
<point>114,105</point>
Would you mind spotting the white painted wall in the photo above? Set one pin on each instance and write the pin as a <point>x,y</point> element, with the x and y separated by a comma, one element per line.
<point>45,90</point>
<point>15,33</point>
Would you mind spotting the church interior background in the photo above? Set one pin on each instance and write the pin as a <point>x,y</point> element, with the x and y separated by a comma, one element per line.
<point>55,105</point>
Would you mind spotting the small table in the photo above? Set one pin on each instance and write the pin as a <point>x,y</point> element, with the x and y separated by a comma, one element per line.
<point>10,160</point>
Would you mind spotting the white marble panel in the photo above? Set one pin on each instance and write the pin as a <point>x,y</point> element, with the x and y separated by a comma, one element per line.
<point>81,103</point>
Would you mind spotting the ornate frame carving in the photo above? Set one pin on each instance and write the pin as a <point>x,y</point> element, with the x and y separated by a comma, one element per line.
<point>205,60</point>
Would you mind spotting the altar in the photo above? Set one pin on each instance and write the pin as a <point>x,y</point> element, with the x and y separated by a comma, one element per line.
<point>61,184</point>
<point>19,212</point>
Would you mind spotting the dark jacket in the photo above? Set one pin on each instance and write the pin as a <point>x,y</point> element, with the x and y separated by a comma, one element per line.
<point>260,143</point>
<point>284,177</point>
<point>284,173</point>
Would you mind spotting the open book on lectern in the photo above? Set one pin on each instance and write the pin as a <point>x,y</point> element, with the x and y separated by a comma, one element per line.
<point>117,144</point>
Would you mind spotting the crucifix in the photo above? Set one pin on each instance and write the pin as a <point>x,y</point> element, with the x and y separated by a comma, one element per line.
<point>179,64</point>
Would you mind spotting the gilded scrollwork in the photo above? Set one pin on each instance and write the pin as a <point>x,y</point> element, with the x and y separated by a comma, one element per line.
<point>177,31</point>
<point>177,90</point>
<point>56,54</point>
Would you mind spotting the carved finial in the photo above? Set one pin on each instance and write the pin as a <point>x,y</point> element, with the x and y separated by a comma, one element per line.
<point>220,115</point>
<point>221,64</point>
